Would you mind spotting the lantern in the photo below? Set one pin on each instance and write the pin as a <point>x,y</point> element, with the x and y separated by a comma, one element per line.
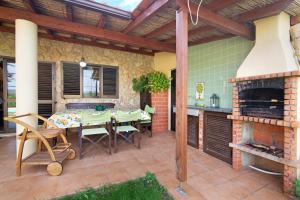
<point>214,101</point>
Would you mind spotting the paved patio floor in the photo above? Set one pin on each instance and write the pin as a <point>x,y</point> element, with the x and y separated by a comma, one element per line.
<point>208,178</point>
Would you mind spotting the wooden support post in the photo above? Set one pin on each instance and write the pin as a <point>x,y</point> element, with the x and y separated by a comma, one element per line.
<point>181,93</point>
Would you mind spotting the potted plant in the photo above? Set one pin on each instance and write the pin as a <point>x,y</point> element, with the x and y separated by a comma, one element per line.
<point>153,82</point>
<point>158,82</point>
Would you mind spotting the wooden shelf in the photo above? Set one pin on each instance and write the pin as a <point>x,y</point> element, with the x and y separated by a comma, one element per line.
<point>256,152</point>
<point>276,122</point>
<point>43,158</point>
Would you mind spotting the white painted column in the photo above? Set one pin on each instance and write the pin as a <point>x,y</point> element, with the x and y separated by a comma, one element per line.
<point>26,76</point>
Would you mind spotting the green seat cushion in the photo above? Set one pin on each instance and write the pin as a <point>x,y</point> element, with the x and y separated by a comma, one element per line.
<point>146,122</point>
<point>94,131</point>
<point>125,129</point>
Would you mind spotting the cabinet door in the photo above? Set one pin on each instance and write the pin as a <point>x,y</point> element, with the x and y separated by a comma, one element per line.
<point>217,136</point>
<point>193,131</point>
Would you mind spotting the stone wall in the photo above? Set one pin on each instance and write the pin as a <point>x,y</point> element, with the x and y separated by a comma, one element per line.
<point>130,65</point>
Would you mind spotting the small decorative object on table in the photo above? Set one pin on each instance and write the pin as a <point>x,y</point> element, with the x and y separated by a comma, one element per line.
<point>214,101</point>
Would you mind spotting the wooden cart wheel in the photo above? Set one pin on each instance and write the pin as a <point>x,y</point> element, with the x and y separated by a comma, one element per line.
<point>54,168</point>
<point>72,154</point>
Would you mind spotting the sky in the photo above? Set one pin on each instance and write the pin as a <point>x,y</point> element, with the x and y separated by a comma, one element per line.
<point>128,5</point>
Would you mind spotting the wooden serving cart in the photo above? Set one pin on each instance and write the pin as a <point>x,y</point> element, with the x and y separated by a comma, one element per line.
<point>52,157</point>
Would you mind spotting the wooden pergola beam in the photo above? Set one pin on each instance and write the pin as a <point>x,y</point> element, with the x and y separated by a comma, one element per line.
<point>197,31</point>
<point>141,7</point>
<point>295,20</point>
<point>214,6</point>
<point>181,93</point>
<point>163,29</point>
<point>30,6</point>
<point>264,11</point>
<point>69,12</point>
<point>101,22</point>
<point>81,42</point>
<point>220,22</point>
<point>146,14</point>
<point>10,14</point>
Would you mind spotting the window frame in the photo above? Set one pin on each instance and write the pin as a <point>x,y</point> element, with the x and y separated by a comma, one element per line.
<point>101,95</point>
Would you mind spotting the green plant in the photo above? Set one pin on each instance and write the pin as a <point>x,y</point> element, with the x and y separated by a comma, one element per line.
<point>143,188</point>
<point>140,84</point>
<point>297,188</point>
<point>157,82</point>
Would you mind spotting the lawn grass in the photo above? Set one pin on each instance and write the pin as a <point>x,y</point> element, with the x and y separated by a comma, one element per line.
<point>143,188</point>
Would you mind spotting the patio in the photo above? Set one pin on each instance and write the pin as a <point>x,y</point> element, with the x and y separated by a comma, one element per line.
<point>225,91</point>
<point>208,177</point>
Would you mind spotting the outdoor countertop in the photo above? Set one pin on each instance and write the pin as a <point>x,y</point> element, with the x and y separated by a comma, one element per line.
<point>223,110</point>
<point>194,110</point>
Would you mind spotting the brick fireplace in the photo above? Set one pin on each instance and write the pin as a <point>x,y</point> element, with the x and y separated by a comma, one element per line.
<point>271,132</point>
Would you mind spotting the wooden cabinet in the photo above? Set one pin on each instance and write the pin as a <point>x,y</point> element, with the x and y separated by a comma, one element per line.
<point>217,135</point>
<point>193,131</point>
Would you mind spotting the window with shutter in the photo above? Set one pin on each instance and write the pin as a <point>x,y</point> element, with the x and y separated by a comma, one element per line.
<point>110,82</point>
<point>71,80</point>
<point>92,81</point>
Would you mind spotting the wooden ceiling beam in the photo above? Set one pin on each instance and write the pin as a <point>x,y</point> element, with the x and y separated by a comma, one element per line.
<point>69,12</point>
<point>295,20</point>
<point>146,14</point>
<point>102,21</point>
<point>31,7</point>
<point>210,39</point>
<point>265,11</point>
<point>81,42</point>
<point>214,6</point>
<point>197,31</point>
<point>163,29</point>
<point>10,14</point>
<point>141,7</point>
<point>218,21</point>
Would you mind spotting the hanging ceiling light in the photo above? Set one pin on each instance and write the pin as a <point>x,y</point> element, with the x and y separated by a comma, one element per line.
<point>82,62</point>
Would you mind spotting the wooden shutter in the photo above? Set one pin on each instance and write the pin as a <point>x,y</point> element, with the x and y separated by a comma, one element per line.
<point>110,82</point>
<point>45,81</point>
<point>45,90</point>
<point>71,79</point>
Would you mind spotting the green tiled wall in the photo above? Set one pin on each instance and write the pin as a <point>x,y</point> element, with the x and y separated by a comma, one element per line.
<point>214,63</point>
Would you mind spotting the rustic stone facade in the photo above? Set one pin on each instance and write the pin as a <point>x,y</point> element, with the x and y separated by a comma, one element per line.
<point>130,65</point>
<point>289,124</point>
<point>160,119</point>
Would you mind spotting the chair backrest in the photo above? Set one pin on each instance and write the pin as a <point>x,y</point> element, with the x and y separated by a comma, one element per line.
<point>149,109</point>
<point>131,116</point>
<point>95,118</point>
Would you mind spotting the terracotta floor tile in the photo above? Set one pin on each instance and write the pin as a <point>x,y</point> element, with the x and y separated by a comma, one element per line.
<point>208,177</point>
